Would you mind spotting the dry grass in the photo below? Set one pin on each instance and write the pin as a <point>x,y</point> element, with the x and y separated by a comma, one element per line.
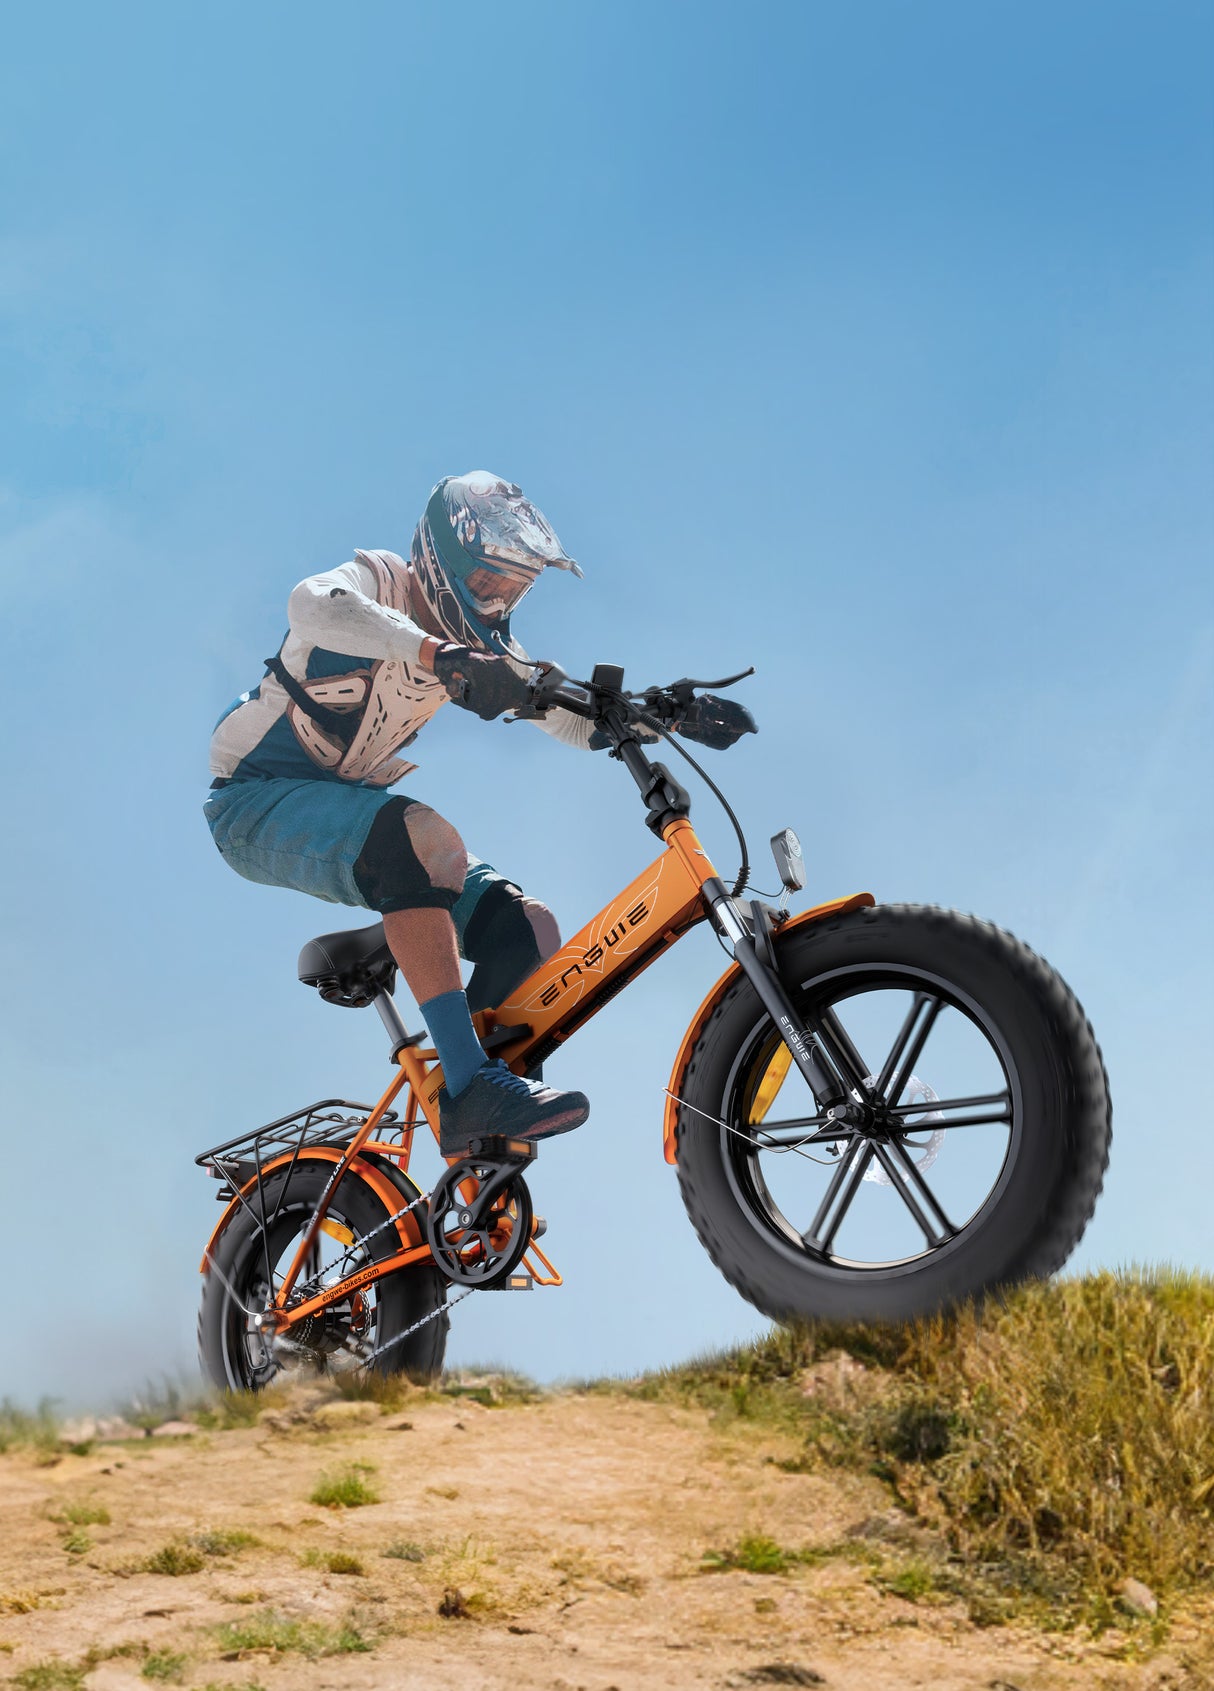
<point>1076,1425</point>
<point>49,1676</point>
<point>755,1553</point>
<point>228,1410</point>
<point>332,1561</point>
<point>345,1488</point>
<point>58,1674</point>
<point>173,1560</point>
<point>1056,1441</point>
<point>164,1667</point>
<point>223,1541</point>
<point>492,1388</point>
<point>37,1429</point>
<point>280,1635</point>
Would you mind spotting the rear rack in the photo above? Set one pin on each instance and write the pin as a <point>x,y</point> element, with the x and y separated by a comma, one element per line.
<point>242,1159</point>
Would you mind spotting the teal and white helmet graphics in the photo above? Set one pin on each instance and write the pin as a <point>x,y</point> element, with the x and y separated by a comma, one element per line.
<point>479,547</point>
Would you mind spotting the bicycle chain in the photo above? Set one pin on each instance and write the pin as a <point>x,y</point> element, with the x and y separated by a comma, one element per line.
<point>448,1303</point>
<point>353,1250</point>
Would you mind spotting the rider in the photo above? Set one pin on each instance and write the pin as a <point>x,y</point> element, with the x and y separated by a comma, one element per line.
<point>302,764</point>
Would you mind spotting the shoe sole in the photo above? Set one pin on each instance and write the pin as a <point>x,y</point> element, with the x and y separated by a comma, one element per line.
<point>544,1130</point>
<point>558,1124</point>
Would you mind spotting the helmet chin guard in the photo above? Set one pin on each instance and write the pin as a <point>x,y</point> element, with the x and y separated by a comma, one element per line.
<point>478,549</point>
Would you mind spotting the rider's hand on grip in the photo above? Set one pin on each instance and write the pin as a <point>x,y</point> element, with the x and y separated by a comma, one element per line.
<point>716,722</point>
<point>480,682</point>
<point>543,685</point>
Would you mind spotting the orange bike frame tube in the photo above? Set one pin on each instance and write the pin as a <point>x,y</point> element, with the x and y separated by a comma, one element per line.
<point>624,938</point>
<point>339,1168</point>
<point>628,934</point>
<point>353,1283</point>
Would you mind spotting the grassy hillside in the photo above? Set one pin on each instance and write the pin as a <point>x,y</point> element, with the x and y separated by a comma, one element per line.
<point>1023,1496</point>
<point>1057,1443</point>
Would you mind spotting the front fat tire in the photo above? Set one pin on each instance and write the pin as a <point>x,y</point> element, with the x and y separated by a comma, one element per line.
<point>404,1297</point>
<point>1036,1213</point>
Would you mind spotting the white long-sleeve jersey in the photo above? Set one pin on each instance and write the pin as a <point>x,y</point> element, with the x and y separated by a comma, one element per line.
<point>354,646</point>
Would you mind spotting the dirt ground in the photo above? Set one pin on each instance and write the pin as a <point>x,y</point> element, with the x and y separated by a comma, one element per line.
<point>571,1531</point>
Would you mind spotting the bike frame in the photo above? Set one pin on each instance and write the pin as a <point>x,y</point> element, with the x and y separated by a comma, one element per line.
<point>679,889</point>
<point>660,905</point>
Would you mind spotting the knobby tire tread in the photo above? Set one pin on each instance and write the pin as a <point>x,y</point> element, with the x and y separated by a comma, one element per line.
<point>1088,1131</point>
<point>421,1355</point>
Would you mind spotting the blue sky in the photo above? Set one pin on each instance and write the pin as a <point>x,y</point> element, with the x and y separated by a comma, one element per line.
<point>870,345</point>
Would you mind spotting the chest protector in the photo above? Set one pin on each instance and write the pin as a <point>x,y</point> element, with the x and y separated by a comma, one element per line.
<point>351,725</point>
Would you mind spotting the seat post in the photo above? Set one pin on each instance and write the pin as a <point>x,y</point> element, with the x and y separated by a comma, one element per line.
<point>394,1027</point>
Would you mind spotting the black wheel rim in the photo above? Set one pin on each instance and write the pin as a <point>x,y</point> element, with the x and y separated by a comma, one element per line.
<point>853,1197</point>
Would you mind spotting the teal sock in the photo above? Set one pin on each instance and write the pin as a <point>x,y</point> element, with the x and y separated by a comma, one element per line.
<point>459,1050</point>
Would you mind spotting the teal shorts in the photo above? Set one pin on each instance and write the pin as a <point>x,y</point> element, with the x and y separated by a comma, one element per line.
<point>308,835</point>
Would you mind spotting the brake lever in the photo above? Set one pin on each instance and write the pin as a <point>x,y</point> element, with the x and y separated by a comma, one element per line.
<point>550,678</point>
<point>728,681</point>
<point>681,694</point>
<point>547,680</point>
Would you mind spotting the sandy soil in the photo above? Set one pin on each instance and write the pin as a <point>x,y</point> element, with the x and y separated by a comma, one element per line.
<point>573,1529</point>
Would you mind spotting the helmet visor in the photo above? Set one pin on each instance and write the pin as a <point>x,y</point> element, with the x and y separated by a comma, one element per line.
<point>493,590</point>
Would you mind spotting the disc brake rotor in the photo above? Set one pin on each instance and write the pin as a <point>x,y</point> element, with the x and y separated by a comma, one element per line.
<point>923,1155</point>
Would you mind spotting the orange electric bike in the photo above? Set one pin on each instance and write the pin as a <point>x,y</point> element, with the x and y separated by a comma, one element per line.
<point>943,1124</point>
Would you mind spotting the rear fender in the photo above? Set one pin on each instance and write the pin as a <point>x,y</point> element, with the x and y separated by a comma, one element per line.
<point>833,907</point>
<point>389,1183</point>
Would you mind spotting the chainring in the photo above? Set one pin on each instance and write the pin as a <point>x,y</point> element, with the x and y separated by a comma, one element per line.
<point>478,1241</point>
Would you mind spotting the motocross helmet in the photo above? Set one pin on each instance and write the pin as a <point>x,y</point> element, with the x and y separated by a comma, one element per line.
<point>478,548</point>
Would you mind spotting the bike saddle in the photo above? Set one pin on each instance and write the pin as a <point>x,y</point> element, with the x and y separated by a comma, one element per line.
<point>349,968</point>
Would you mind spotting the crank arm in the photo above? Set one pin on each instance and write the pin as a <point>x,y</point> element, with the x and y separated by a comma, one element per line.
<point>488,1193</point>
<point>774,998</point>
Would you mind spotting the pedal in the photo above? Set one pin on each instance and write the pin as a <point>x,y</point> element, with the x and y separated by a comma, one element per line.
<point>518,1282</point>
<point>499,1149</point>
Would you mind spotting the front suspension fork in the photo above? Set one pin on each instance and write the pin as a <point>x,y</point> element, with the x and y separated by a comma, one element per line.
<point>819,1077</point>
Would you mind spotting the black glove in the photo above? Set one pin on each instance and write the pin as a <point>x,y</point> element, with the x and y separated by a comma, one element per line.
<point>480,682</point>
<point>715,722</point>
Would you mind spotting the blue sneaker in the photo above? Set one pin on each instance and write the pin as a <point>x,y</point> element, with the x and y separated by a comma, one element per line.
<point>498,1102</point>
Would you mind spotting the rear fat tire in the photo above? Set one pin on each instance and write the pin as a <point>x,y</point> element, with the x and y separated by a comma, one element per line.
<point>1057,1152</point>
<point>403,1297</point>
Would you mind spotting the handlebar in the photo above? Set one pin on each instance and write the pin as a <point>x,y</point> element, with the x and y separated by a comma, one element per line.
<point>603,700</point>
<point>551,686</point>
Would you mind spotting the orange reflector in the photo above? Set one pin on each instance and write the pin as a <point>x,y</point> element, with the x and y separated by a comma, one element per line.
<point>771,1083</point>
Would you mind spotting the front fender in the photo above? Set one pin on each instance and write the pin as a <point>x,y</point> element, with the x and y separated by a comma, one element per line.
<point>385,1179</point>
<point>833,907</point>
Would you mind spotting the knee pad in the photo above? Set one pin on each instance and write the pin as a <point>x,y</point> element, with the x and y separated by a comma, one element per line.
<point>508,935</point>
<point>412,859</point>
